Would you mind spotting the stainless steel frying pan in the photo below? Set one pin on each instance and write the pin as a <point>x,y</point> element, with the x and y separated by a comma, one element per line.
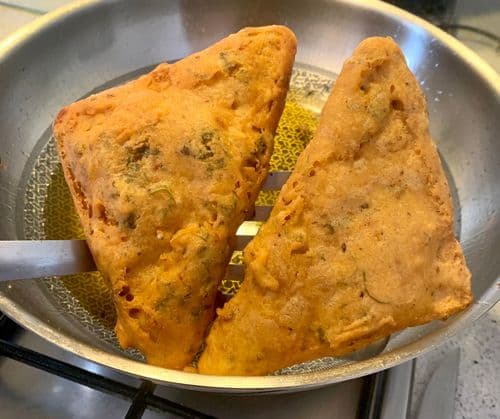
<point>90,45</point>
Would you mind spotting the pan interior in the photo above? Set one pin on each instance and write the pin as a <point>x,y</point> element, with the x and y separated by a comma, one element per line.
<point>49,212</point>
<point>85,298</point>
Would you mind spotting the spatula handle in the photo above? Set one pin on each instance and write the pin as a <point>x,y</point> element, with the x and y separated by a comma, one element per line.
<point>25,259</point>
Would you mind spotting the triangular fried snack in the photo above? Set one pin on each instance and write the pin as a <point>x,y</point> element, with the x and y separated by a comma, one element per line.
<point>163,170</point>
<point>360,243</point>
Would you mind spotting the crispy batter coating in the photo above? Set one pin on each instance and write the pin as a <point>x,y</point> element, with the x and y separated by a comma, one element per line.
<point>360,243</point>
<point>163,170</point>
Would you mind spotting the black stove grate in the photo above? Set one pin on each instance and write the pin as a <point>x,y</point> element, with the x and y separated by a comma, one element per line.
<point>141,398</point>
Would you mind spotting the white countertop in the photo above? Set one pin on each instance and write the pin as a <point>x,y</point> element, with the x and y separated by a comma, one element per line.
<point>478,392</point>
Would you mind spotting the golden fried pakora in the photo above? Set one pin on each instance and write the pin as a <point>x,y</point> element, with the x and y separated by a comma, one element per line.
<point>163,170</point>
<point>360,243</point>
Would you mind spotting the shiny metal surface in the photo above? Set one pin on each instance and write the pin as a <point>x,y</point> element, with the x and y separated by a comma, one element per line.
<point>397,392</point>
<point>27,259</point>
<point>24,259</point>
<point>66,54</point>
<point>438,401</point>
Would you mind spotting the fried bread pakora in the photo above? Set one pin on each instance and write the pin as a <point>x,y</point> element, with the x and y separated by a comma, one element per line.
<point>360,243</point>
<point>163,170</point>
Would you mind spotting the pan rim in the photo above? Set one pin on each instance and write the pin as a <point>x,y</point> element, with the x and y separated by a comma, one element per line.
<point>261,384</point>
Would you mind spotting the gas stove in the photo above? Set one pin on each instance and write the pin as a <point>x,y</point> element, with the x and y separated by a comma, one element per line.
<point>38,379</point>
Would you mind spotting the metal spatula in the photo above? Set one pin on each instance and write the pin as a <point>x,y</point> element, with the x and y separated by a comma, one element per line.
<point>26,259</point>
